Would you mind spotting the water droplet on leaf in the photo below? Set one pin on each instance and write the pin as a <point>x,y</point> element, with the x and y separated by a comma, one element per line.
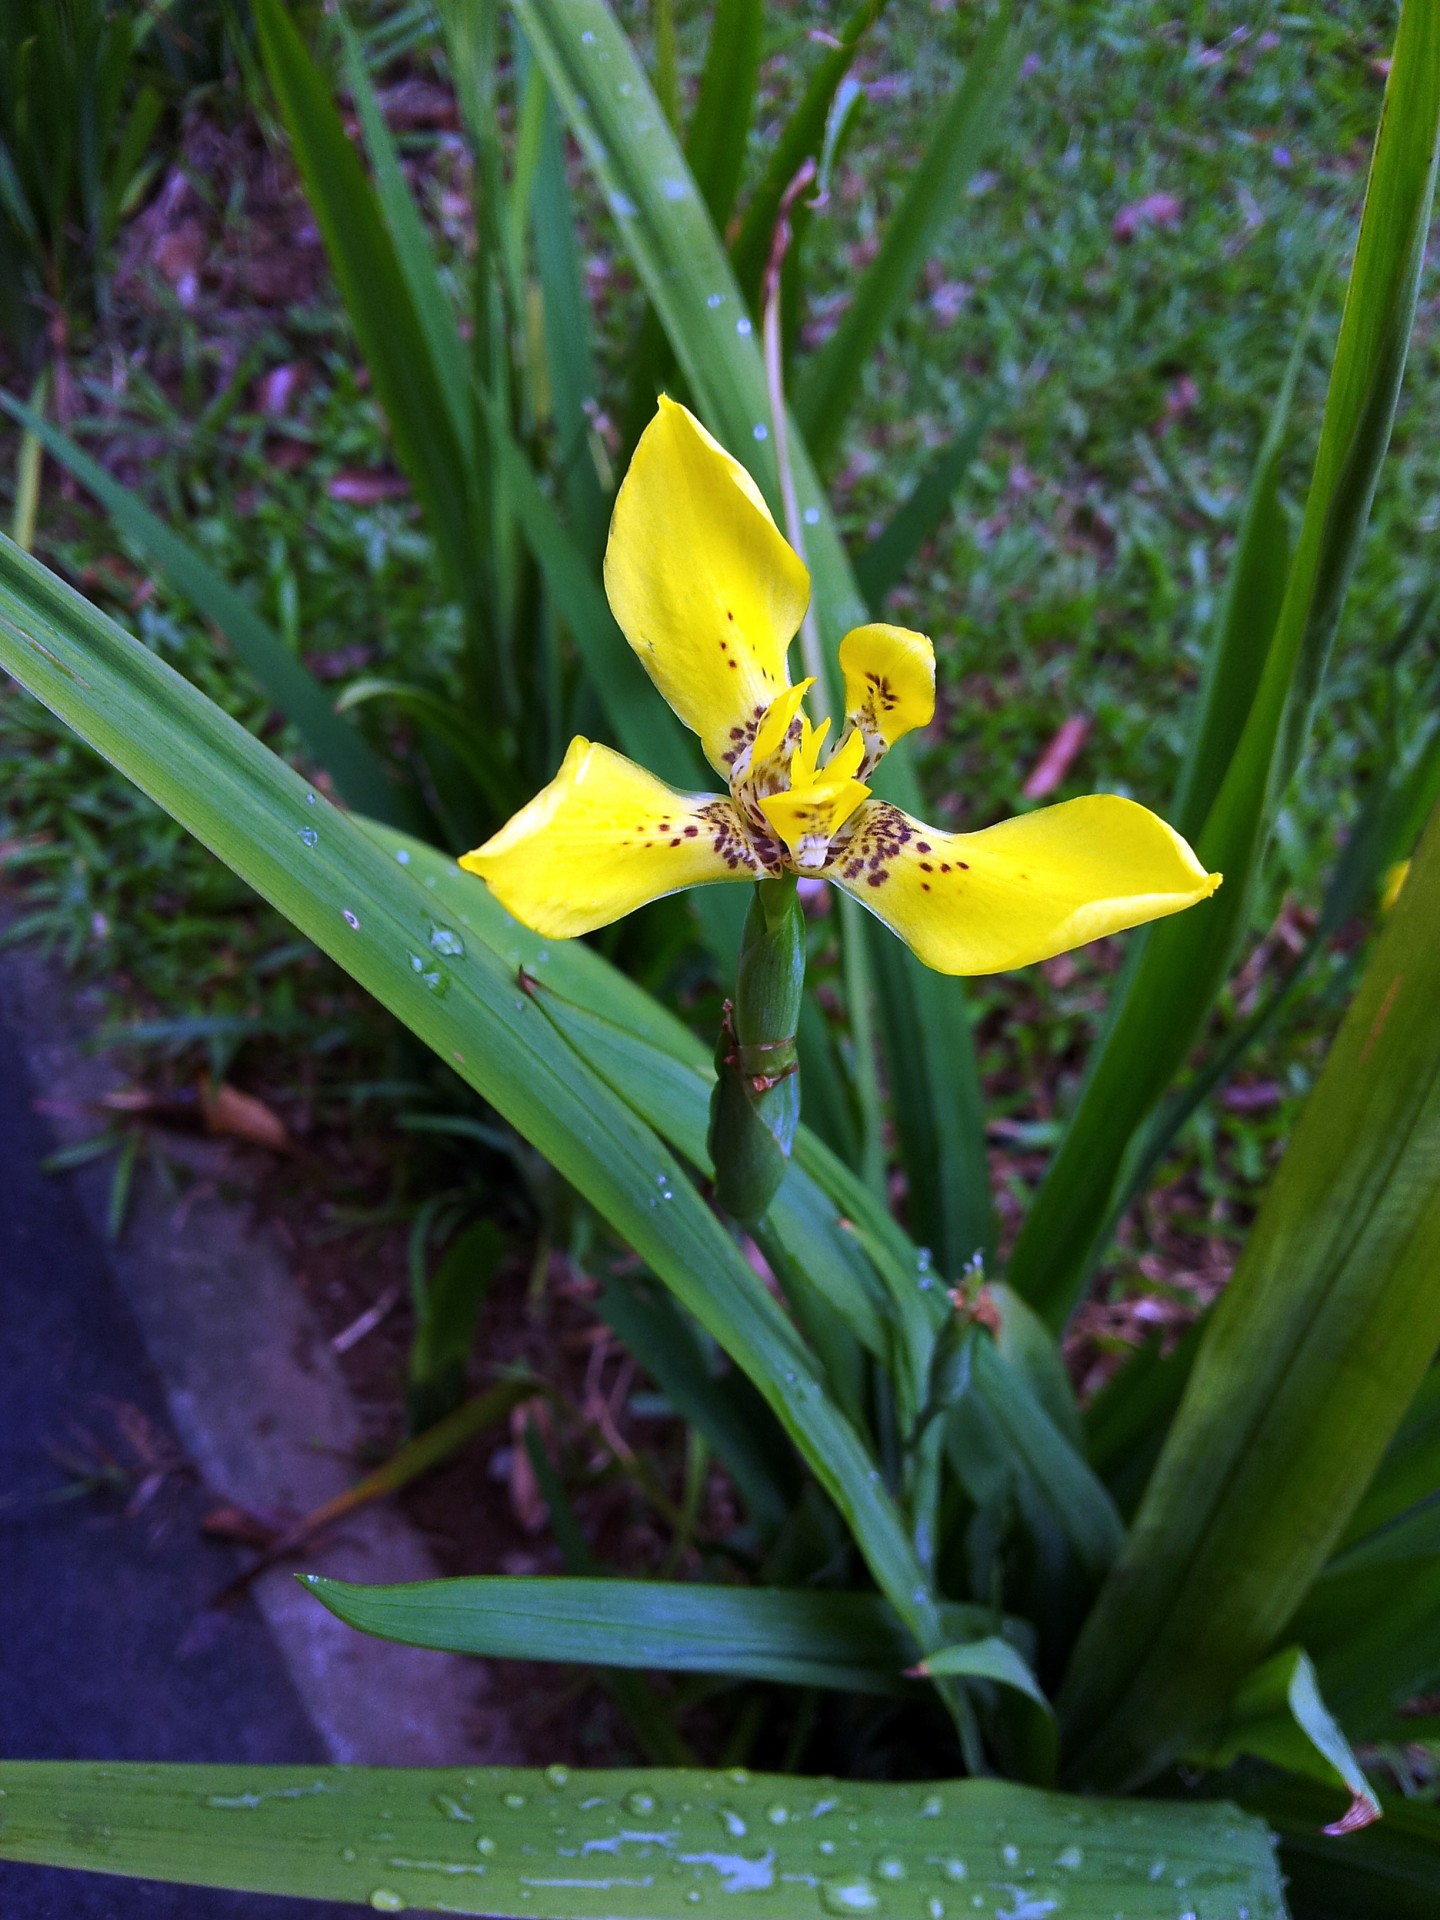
<point>854,1894</point>
<point>639,1801</point>
<point>384,1901</point>
<point>308,836</point>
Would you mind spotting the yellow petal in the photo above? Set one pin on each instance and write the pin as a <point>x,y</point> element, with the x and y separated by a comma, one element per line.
<point>706,588</point>
<point>1021,891</point>
<point>770,735</point>
<point>889,685</point>
<point>603,838</point>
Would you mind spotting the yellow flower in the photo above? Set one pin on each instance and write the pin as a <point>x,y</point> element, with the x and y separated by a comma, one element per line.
<point>710,594</point>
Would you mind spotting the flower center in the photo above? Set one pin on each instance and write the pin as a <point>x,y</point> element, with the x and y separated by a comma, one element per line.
<point>784,792</point>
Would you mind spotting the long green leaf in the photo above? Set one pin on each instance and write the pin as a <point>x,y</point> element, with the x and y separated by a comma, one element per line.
<point>665,225</point>
<point>801,138</point>
<point>720,126</point>
<point>935,1093</point>
<point>334,742</point>
<point>1279,1715</point>
<point>723,1407</point>
<point>845,1640</point>
<point>1391,1871</point>
<point>882,564</point>
<point>831,380</point>
<point>634,1845</point>
<point>1177,968</point>
<point>1303,1376</point>
<point>396,343</point>
<point>414,254</point>
<point>358,904</point>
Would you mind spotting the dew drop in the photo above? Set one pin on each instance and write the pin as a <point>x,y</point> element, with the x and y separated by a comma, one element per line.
<point>811,516</point>
<point>1156,1870</point>
<point>732,1823</point>
<point>386,1901</point>
<point>352,920</point>
<point>954,1869</point>
<point>827,1846</point>
<point>443,940</point>
<point>402,854</point>
<point>557,1774</point>
<point>639,1801</point>
<point>740,1775</point>
<point>742,326</point>
<point>308,836</point>
<point>673,189</point>
<point>451,1807</point>
<point>587,39</point>
<point>347,1854</point>
<point>713,300</point>
<point>776,1813</point>
<point>935,1907</point>
<point>693,1896</point>
<point>762,432</point>
<point>513,1799</point>
<point>485,1845</point>
<point>1072,1857</point>
<point>854,1894</point>
<point>1010,1854</point>
<point>889,1867</point>
<point>622,206</point>
<point>931,1806</point>
<point>309,799</point>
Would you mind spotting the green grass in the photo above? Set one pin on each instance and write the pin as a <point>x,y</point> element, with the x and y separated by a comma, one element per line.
<point>1078,574</point>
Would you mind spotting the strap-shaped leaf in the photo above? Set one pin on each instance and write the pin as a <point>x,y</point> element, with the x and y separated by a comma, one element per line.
<point>358,904</point>
<point>847,1640</point>
<point>639,1845</point>
<point>398,346</point>
<point>1177,968</point>
<point>1303,1376</point>
<point>882,564</point>
<point>832,379</point>
<point>1278,1715</point>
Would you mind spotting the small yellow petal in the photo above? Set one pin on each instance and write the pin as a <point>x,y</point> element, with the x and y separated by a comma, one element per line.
<point>778,715</point>
<point>704,585</point>
<point>1021,891</point>
<point>604,838</point>
<point>807,752</point>
<point>889,685</point>
<point>810,813</point>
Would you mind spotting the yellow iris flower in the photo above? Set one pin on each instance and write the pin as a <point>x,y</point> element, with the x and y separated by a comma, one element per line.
<point>710,594</point>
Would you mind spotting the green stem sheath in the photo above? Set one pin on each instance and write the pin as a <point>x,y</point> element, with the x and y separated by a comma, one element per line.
<point>755,1108</point>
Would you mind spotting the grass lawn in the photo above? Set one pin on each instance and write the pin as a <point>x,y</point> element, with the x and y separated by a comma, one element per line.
<point>1122,286</point>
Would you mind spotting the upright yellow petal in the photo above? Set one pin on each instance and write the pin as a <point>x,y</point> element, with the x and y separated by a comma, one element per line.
<point>602,839</point>
<point>808,814</point>
<point>1024,890</point>
<point>889,686</point>
<point>706,588</point>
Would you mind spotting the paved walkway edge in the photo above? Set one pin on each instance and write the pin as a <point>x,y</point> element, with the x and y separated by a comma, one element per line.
<point>261,1408</point>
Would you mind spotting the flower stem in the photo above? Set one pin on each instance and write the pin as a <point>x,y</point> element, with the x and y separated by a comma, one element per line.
<point>755,1108</point>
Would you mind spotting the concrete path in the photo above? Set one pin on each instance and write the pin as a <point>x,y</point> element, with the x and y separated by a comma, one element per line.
<point>190,1343</point>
